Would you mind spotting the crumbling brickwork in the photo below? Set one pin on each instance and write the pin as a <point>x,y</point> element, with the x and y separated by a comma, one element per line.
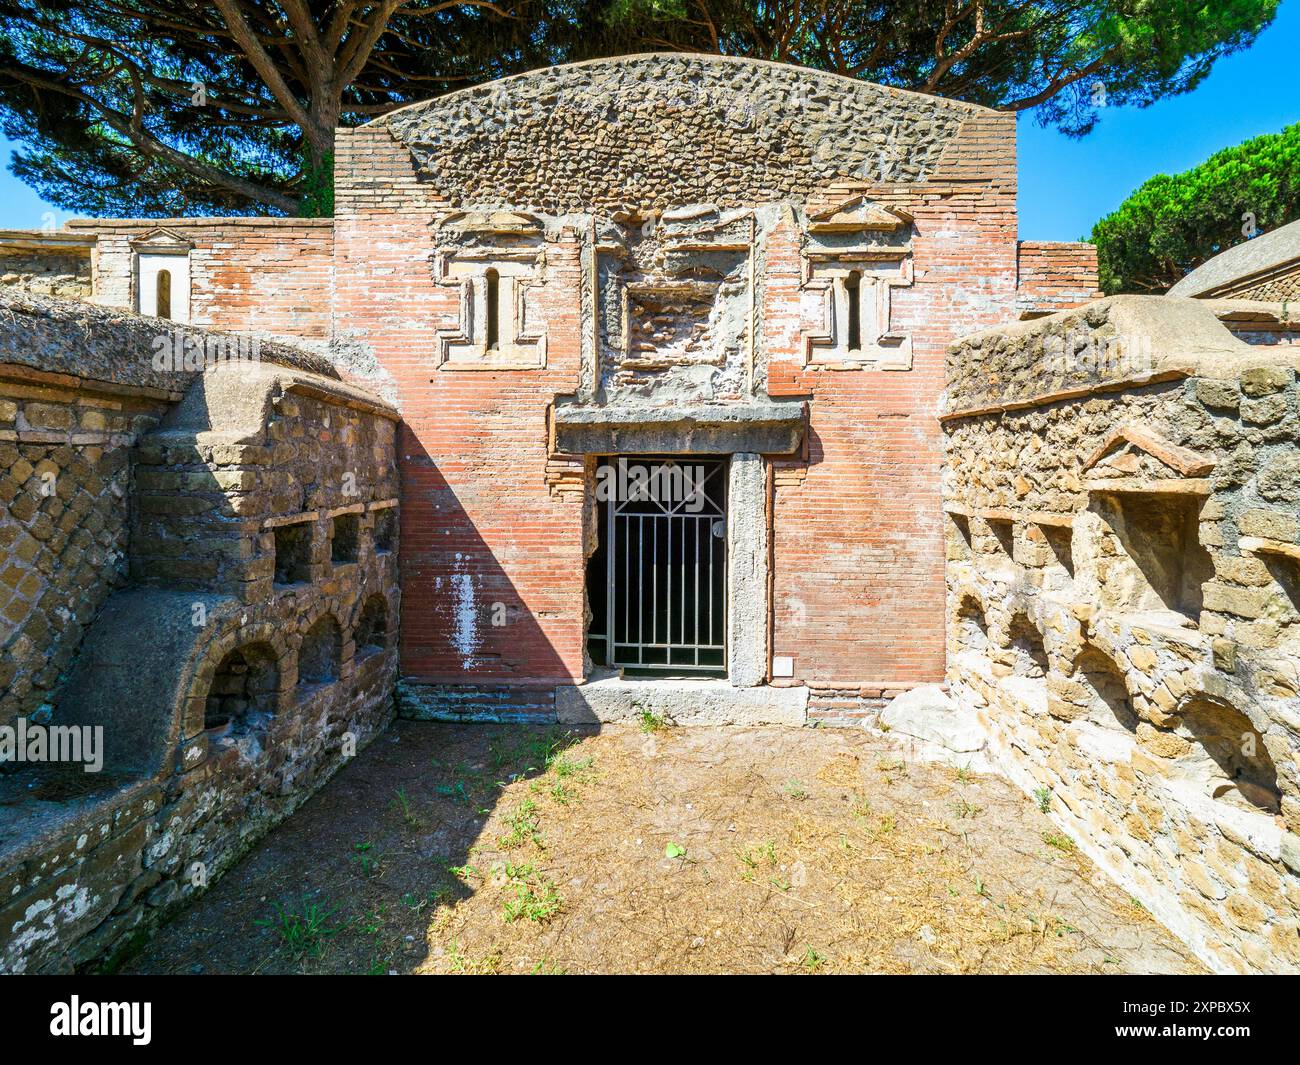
<point>1123,541</point>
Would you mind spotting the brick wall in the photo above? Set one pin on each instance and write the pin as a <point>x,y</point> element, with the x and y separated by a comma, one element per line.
<point>265,275</point>
<point>480,525</point>
<point>858,566</point>
<point>1055,275</point>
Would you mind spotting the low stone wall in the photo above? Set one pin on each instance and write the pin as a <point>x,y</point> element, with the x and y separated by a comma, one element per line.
<point>235,638</point>
<point>1124,603</point>
<point>45,265</point>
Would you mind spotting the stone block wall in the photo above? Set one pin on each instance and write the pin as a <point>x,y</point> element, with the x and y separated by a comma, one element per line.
<point>45,264</point>
<point>232,668</point>
<point>1124,602</point>
<point>64,481</point>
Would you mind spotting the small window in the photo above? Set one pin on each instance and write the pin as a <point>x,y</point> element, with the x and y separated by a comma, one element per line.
<point>493,309</point>
<point>853,294</point>
<point>344,536</point>
<point>164,294</point>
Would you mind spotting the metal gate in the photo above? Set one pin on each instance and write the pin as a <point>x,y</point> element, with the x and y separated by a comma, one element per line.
<point>667,564</point>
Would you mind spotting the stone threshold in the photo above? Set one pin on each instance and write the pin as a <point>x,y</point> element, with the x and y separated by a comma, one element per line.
<point>680,702</point>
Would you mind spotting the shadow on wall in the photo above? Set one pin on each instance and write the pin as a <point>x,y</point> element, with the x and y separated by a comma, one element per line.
<point>1228,755</point>
<point>464,621</point>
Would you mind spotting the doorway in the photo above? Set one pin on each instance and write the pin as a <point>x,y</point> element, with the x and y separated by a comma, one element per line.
<point>657,581</point>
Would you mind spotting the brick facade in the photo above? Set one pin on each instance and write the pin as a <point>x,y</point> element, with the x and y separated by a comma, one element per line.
<point>1054,276</point>
<point>263,275</point>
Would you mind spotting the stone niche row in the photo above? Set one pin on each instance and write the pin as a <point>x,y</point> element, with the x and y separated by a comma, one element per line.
<point>248,686</point>
<point>301,553</point>
<point>1142,684</point>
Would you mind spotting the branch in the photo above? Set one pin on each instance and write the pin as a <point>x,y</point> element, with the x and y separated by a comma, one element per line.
<point>148,144</point>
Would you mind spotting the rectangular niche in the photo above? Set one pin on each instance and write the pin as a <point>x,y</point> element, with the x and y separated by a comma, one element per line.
<point>670,325</point>
<point>1163,565</point>
<point>959,536</point>
<point>1058,537</point>
<point>345,536</point>
<point>1003,532</point>
<point>293,553</point>
<point>385,529</point>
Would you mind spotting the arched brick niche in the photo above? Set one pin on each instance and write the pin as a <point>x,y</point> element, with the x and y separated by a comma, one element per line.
<point>243,693</point>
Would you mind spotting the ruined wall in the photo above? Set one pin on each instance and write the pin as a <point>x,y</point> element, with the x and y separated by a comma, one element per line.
<point>246,642</point>
<point>269,276</point>
<point>652,132</point>
<point>675,222</point>
<point>1282,283</point>
<point>46,264</point>
<point>1123,553</point>
<point>78,387</point>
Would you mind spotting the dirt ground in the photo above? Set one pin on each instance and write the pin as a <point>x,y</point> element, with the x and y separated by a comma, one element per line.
<point>508,849</point>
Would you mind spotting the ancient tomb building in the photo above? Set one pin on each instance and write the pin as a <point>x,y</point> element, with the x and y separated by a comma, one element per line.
<point>728,271</point>
<point>746,270</point>
<point>1123,516</point>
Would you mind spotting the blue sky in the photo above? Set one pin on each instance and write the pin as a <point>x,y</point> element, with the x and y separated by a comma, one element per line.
<point>1065,184</point>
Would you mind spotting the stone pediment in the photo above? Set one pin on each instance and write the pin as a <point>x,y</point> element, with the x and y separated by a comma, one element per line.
<point>163,241</point>
<point>1134,459</point>
<point>703,227</point>
<point>511,223</point>
<point>857,214</point>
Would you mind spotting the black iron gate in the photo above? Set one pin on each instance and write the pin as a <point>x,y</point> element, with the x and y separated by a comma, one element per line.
<point>666,557</point>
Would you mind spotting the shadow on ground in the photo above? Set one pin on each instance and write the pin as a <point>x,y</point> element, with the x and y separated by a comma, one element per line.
<point>483,848</point>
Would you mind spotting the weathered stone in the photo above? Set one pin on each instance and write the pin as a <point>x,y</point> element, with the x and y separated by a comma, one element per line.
<point>927,713</point>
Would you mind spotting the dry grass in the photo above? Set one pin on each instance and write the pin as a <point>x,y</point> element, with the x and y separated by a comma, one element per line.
<point>682,850</point>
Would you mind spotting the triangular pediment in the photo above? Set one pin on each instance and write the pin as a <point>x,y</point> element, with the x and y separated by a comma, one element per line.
<point>501,222</point>
<point>857,214</point>
<point>162,239</point>
<point>1133,451</point>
